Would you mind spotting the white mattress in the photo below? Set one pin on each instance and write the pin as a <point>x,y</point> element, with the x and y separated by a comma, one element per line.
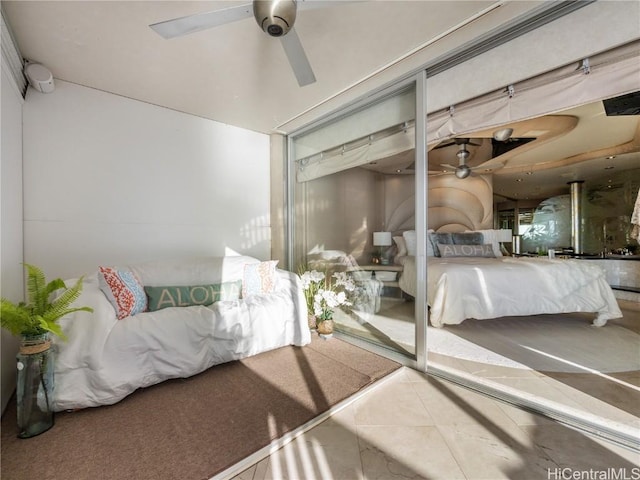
<point>471,287</point>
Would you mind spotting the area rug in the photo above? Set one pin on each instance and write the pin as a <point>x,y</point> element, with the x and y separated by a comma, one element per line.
<point>197,427</point>
<point>546,343</point>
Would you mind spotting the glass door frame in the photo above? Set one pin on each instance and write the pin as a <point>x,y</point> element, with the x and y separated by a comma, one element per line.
<point>418,82</point>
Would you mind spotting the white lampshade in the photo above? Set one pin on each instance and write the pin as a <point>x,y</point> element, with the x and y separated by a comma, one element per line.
<point>504,235</point>
<point>382,239</point>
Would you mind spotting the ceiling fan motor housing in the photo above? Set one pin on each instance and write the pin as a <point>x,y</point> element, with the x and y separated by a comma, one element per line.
<point>463,171</point>
<point>275,17</point>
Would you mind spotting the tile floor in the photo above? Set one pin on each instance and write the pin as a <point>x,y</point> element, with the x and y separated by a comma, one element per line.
<point>413,426</point>
<point>614,396</point>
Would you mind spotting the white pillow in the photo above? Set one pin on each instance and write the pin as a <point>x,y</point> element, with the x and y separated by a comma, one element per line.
<point>411,241</point>
<point>402,246</point>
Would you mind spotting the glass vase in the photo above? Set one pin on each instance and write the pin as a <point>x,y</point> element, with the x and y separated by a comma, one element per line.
<point>34,389</point>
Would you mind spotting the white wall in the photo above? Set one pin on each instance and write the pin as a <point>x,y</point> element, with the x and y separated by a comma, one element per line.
<point>342,212</point>
<point>12,277</point>
<point>110,180</point>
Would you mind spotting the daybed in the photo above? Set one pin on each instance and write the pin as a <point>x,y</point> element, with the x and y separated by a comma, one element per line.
<point>476,281</point>
<point>122,346</point>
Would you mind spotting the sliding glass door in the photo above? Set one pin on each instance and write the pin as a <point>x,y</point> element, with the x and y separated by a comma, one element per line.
<point>362,197</point>
<point>352,187</point>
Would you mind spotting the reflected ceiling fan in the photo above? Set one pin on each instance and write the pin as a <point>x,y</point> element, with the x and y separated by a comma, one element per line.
<point>275,17</point>
<point>462,170</point>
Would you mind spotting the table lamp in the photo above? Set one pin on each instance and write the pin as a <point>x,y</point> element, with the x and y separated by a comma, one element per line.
<point>381,240</point>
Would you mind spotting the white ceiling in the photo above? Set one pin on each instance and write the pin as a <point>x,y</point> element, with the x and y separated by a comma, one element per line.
<point>238,75</point>
<point>235,73</point>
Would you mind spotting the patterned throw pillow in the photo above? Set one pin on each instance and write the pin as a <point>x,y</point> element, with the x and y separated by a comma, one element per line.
<point>259,278</point>
<point>124,291</point>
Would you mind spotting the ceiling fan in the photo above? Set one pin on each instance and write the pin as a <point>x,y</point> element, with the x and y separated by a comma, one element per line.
<point>275,17</point>
<point>462,170</point>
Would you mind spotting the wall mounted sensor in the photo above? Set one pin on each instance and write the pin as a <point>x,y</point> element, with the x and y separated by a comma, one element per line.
<point>39,77</point>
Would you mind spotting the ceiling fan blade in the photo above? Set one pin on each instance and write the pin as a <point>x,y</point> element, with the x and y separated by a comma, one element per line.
<point>449,166</point>
<point>202,21</point>
<point>488,166</point>
<point>297,58</point>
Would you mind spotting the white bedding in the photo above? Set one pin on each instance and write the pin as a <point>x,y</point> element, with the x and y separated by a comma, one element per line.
<point>106,359</point>
<point>471,287</point>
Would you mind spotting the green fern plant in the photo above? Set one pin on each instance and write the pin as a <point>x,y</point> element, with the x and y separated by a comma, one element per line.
<point>40,314</point>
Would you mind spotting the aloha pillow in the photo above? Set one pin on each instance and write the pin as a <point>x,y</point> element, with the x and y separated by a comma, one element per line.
<point>259,278</point>
<point>186,296</point>
<point>453,250</point>
<point>124,291</point>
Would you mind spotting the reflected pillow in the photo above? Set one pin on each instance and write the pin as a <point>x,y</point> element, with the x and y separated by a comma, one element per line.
<point>452,250</point>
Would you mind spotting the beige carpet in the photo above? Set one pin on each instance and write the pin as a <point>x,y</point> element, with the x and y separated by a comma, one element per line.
<point>197,427</point>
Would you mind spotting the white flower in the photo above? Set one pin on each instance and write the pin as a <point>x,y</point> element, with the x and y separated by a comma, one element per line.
<point>310,278</point>
<point>330,298</point>
<point>323,296</point>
